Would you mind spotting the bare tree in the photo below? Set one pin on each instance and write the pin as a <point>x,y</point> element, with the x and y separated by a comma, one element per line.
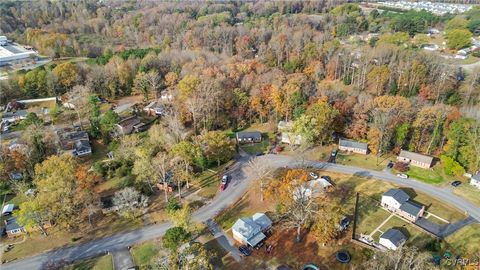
<point>129,202</point>
<point>404,258</point>
<point>262,171</point>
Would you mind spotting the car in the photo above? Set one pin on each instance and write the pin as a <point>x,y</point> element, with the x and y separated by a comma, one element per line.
<point>313,175</point>
<point>245,250</point>
<point>223,184</point>
<point>456,183</point>
<point>344,223</point>
<point>390,164</point>
<point>402,175</point>
<point>334,153</point>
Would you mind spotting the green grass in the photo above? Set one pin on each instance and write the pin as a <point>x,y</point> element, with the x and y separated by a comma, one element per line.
<point>255,148</point>
<point>468,192</point>
<point>370,215</point>
<point>144,253</point>
<point>208,181</point>
<point>429,176</point>
<point>98,263</point>
<point>415,236</point>
<point>364,161</point>
<point>466,240</point>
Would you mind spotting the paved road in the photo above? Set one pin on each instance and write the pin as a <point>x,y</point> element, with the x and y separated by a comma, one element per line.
<point>238,186</point>
<point>122,259</point>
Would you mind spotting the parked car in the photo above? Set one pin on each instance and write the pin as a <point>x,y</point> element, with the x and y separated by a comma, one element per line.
<point>402,175</point>
<point>223,184</point>
<point>313,175</point>
<point>245,250</point>
<point>344,223</point>
<point>390,164</point>
<point>456,183</point>
<point>334,153</point>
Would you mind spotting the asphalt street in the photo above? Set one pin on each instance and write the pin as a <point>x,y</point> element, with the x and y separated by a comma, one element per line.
<point>241,178</point>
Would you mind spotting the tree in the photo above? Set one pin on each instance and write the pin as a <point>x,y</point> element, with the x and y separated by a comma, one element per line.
<point>262,171</point>
<point>404,258</point>
<point>459,38</point>
<point>451,167</point>
<point>457,22</point>
<point>144,168</point>
<point>107,122</point>
<point>175,237</point>
<point>217,146</point>
<point>31,215</point>
<point>182,217</point>
<point>66,75</point>
<point>189,154</point>
<point>33,119</point>
<point>315,126</point>
<point>377,79</point>
<point>129,202</point>
<point>325,226</point>
<point>195,256</point>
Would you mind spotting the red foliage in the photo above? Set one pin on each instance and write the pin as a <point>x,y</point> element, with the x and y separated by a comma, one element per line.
<point>401,166</point>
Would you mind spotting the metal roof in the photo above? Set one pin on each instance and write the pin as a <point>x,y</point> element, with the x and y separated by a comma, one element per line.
<point>416,156</point>
<point>353,144</point>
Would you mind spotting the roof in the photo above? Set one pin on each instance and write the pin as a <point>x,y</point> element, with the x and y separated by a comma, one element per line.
<point>397,194</point>
<point>256,239</point>
<point>11,224</point>
<point>262,220</point>
<point>395,236</point>
<point>285,125</point>
<point>353,144</point>
<point>18,113</point>
<point>129,122</point>
<point>411,208</point>
<point>249,134</point>
<point>82,145</point>
<point>416,156</point>
<point>8,208</point>
<point>246,227</point>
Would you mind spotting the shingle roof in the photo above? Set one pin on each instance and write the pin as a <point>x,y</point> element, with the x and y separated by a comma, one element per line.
<point>353,144</point>
<point>398,194</point>
<point>395,236</point>
<point>262,220</point>
<point>411,208</point>
<point>416,156</point>
<point>249,134</point>
<point>11,224</point>
<point>246,227</point>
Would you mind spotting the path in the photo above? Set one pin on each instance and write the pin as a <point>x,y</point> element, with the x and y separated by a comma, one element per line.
<point>122,259</point>
<point>443,231</point>
<point>223,239</point>
<point>381,225</point>
<point>239,185</point>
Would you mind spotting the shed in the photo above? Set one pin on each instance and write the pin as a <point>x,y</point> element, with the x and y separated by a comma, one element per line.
<point>392,239</point>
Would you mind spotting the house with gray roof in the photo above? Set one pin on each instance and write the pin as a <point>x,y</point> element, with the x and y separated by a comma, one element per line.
<point>392,239</point>
<point>82,148</point>
<point>415,159</point>
<point>353,146</point>
<point>15,116</point>
<point>249,137</point>
<point>475,180</point>
<point>397,201</point>
<point>12,228</point>
<point>251,230</point>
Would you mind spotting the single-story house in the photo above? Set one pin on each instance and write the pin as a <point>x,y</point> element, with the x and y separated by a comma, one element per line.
<point>397,201</point>
<point>251,231</point>
<point>415,159</point>
<point>14,116</point>
<point>313,188</point>
<point>154,108</point>
<point>289,137</point>
<point>129,125</point>
<point>249,137</point>
<point>8,209</point>
<point>12,228</point>
<point>475,180</point>
<point>82,148</point>
<point>353,146</point>
<point>392,239</point>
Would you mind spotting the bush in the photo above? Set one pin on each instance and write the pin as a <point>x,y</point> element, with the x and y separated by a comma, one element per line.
<point>174,237</point>
<point>401,166</point>
<point>451,167</point>
<point>172,205</point>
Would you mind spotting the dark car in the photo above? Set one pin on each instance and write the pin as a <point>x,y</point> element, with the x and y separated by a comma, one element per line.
<point>390,164</point>
<point>334,153</point>
<point>456,183</point>
<point>245,250</point>
<point>344,223</point>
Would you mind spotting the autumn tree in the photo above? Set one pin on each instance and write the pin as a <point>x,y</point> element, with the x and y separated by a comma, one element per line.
<point>66,75</point>
<point>130,202</point>
<point>216,146</point>
<point>377,79</point>
<point>315,125</point>
<point>262,170</point>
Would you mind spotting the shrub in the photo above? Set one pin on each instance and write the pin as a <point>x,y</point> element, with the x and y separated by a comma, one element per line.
<point>174,237</point>
<point>401,166</point>
<point>451,167</point>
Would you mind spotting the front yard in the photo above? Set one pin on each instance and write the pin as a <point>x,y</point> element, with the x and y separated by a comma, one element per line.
<point>468,192</point>
<point>99,263</point>
<point>371,162</point>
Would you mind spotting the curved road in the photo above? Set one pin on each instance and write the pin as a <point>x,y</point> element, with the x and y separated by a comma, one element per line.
<point>241,178</point>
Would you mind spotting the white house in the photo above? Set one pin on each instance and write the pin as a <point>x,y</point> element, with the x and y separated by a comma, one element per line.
<point>291,138</point>
<point>8,209</point>
<point>397,201</point>
<point>312,188</point>
<point>392,239</point>
<point>353,146</point>
<point>250,230</point>
<point>475,180</point>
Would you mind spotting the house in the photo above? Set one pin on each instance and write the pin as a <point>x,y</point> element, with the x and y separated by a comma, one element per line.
<point>249,137</point>
<point>353,146</point>
<point>291,138</point>
<point>8,209</point>
<point>312,188</point>
<point>14,116</point>
<point>154,108</point>
<point>82,148</point>
<point>392,239</point>
<point>397,201</point>
<point>285,126</point>
<point>12,228</point>
<point>128,125</point>
<point>475,180</point>
<point>415,159</point>
<point>251,231</point>
<point>3,40</point>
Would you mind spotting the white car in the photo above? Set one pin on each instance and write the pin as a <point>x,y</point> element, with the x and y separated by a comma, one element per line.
<point>402,175</point>
<point>313,175</point>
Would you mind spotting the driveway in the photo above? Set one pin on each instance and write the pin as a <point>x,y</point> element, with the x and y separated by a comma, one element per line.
<point>443,231</point>
<point>240,183</point>
<point>223,239</point>
<point>122,259</point>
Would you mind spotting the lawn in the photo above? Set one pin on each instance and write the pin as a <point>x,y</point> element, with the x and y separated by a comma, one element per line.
<point>433,175</point>
<point>468,192</point>
<point>98,263</point>
<point>255,148</point>
<point>208,181</point>
<point>466,240</point>
<point>143,253</point>
<point>371,162</point>
<point>415,236</point>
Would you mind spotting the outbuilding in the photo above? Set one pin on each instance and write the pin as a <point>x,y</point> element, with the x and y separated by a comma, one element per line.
<point>392,239</point>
